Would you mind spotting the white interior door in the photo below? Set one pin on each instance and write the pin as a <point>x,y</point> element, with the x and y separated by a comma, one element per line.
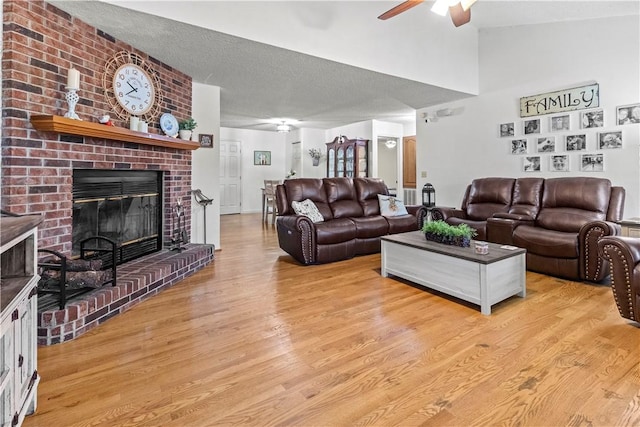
<point>296,158</point>
<point>230,167</point>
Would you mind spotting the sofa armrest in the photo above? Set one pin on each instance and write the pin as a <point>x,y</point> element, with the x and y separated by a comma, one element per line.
<point>623,255</point>
<point>592,267</point>
<point>515,217</point>
<point>420,212</point>
<point>442,213</point>
<point>500,230</point>
<point>297,237</point>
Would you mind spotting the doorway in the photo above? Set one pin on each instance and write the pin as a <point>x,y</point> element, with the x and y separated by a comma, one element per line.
<point>388,162</point>
<point>230,179</point>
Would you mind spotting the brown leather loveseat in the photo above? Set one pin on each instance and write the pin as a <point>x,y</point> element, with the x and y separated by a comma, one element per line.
<point>559,221</point>
<point>352,224</point>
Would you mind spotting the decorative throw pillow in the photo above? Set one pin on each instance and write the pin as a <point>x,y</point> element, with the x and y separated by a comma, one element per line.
<point>308,209</point>
<point>390,206</point>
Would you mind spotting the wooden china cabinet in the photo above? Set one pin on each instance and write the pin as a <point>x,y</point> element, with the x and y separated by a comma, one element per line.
<point>348,157</point>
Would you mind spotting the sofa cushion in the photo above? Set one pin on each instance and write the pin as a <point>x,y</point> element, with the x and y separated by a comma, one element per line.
<point>335,231</point>
<point>390,206</point>
<point>370,226</point>
<point>488,196</point>
<point>402,223</point>
<point>308,209</point>
<point>545,242</point>
<point>341,196</point>
<point>569,203</point>
<point>527,197</point>
<point>367,190</point>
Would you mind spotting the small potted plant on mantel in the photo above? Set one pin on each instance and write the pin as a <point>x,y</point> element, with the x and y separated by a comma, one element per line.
<point>186,127</point>
<point>441,232</point>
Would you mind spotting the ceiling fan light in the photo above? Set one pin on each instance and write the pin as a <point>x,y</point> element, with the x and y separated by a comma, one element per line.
<point>283,128</point>
<point>440,7</point>
<point>466,4</point>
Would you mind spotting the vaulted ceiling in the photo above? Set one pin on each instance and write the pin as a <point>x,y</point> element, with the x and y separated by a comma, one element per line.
<point>261,83</point>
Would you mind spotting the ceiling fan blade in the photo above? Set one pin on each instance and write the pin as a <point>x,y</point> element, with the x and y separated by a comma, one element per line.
<point>459,16</point>
<point>399,9</point>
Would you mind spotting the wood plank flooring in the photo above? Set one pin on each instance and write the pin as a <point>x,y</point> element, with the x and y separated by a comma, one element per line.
<point>255,339</point>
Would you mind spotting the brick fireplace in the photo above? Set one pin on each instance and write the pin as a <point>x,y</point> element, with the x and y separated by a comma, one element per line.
<point>41,43</point>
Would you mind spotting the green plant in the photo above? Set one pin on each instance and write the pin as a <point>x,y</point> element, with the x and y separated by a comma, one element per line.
<point>188,124</point>
<point>441,228</point>
<point>315,153</point>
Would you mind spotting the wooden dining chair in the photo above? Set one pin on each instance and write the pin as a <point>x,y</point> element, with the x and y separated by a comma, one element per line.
<point>270,200</point>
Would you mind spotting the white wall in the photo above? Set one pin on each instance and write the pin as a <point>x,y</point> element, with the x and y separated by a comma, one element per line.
<point>313,138</point>
<point>253,176</point>
<point>204,164</point>
<point>529,60</point>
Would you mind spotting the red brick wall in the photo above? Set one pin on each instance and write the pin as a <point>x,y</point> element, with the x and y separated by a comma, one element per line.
<point>40,44</point>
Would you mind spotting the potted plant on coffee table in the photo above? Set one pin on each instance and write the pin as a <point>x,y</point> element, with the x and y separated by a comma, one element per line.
<point>186,128</point>
<point>441,232</point>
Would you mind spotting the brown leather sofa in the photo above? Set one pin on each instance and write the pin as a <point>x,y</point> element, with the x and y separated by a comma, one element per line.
<point>352,222</point>
<point>623,256</point>
<point>557,220</point>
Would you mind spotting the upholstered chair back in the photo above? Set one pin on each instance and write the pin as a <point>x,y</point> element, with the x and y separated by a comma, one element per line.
<point>367,190</point>
<point>569,203</point>
<point>341,196</point>
<point>487,196</point>
<point>527,197</point>
<point>297,190</point>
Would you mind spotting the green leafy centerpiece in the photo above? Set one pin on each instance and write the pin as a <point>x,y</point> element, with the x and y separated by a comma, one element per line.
<point>441,232</point>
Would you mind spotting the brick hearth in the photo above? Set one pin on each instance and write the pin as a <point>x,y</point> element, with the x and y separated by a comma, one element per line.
<point>137,280</point>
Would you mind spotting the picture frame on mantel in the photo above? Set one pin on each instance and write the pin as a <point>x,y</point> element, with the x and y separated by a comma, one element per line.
<point>206,140</point>
<point>262,158</point>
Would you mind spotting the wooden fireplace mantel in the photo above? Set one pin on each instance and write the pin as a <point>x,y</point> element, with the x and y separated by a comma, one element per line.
<point>68,126</point>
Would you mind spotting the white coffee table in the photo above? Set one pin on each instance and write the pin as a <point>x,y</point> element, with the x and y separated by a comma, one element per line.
<point>460,272</point>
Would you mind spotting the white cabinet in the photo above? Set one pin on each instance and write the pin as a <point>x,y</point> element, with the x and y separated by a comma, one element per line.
<point>18,303</point>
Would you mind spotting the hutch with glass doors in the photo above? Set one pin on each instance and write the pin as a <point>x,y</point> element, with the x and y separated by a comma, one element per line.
<point>348,158</point>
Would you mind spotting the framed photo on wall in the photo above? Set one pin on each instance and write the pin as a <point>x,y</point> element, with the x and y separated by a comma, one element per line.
<point>576,142</point>
<point>560,123</point>
<point>591,162</point>
<point>531,126</point>
<point>206,140</point>
<point>531,164</point>
<point>262,158</point>
<point>628,114</point>
<point>592,119</point>
<point>559,163</point>
<point>547,144</point>
<point>507,129</point>
<point>518,146</point>
<point>610,140</point>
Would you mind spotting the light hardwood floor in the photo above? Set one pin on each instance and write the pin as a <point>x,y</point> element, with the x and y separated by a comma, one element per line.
<point>255,339</point>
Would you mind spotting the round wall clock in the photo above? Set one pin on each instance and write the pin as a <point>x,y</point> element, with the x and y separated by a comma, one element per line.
<point>131,87</point>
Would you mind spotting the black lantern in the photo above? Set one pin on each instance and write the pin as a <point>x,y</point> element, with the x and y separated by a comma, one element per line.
<point>428,196</point>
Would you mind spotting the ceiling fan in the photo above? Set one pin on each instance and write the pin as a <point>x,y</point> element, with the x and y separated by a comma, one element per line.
<point>459,10</point>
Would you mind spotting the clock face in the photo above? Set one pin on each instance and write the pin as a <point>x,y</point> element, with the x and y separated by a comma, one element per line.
<point>133,89</point>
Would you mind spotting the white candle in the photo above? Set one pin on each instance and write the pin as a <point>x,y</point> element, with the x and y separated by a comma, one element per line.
<point>73,79</point>
<point>133,124</point>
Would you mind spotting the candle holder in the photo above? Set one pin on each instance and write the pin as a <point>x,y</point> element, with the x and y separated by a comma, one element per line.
<point>72,99</point>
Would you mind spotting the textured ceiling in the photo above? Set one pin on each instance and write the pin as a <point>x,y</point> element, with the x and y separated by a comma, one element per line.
<point>260,83</point>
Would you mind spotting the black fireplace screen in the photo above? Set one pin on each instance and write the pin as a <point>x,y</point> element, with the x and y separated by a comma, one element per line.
<point>124,206</point>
